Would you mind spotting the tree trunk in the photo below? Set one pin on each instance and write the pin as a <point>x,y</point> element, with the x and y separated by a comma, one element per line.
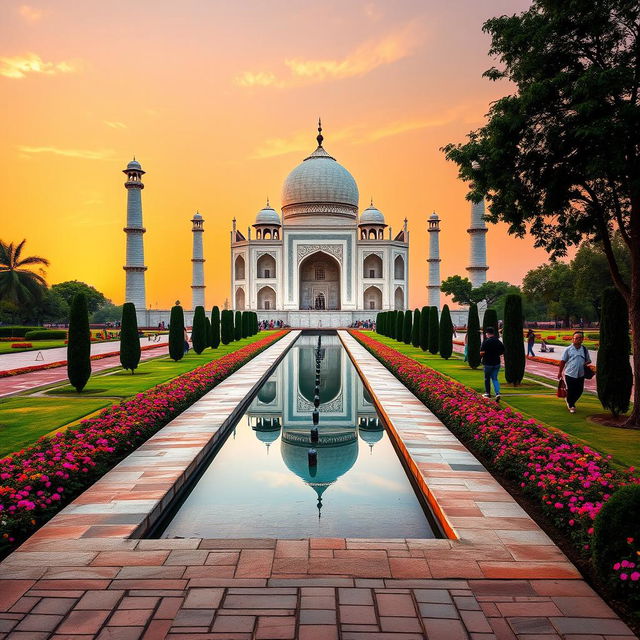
<point>634,321</point>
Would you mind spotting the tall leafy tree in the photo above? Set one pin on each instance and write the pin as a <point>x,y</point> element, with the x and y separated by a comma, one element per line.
<point>79,344</point>
<point>512,337</point>
<point>215,328</point>
<point>176,333</point>
<point>445,337</point>
<point>18,283</point>
<point>434,330</point>
<point>424,328</point>
<point>559,156</point>
<point>615,378</point>
<point>415,329</point>
<point>407,326</point>
<point>473,337</point>
<point>199,330</point>
<point>129,338</point>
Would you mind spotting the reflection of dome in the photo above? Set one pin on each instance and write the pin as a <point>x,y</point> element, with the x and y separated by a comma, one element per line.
<point>268,215</point>
<point>371,437</point>
<point>267,393</point>
<point>371,215</point>
<point>268,436</point>
<point>267,430</point>
<point>331,376</point>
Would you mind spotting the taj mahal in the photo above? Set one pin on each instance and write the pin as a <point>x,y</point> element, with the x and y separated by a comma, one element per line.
<point>317,262</point>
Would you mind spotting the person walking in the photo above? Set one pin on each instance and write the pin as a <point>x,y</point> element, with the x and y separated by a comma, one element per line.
<point>572,364</point>
<point>531,340</point>
<point>490,351</point>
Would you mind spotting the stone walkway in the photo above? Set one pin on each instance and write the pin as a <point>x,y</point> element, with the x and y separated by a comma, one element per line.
<point>498,576</point>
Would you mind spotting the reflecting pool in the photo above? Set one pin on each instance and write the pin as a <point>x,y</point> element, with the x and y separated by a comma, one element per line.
<point>263,481</point>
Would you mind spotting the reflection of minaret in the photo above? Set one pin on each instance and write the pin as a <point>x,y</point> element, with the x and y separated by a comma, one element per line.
<point>197,287</point>
<point>434,261</point>
<point>135,288</point>
<point>478,250</point>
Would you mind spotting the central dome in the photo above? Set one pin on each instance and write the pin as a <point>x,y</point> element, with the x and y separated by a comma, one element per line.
<point>320,180</point>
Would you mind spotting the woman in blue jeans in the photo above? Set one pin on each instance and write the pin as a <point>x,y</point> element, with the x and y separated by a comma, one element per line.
<point>490,351</point>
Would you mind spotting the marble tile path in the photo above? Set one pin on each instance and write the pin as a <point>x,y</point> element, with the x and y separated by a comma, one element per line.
<point>85,575</point>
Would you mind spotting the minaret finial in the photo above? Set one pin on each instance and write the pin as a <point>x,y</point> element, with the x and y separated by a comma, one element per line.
<point>268,205</point>
<point>320,137</point>
<point>372,201</point>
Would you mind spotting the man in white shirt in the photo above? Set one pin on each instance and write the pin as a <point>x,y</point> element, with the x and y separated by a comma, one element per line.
<point>574,360</point>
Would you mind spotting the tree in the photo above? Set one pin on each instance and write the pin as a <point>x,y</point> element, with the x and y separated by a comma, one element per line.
<point>513,340</point>
<point>79,344</point>
<point>558,157</point>
<point>458,288</point>
<point>490,319</point>
<point>18,284</point>
<point>399,326</point>
<point>176,333</point>
<point>237,326</point>
<point>407,326</point>
<point>129,338</point>
<point>246,321</point>
<point>473,337</point>
<point>462,292</point>
<point>70,288</point>
<point>391,326</point>
<point>226,326</point>
<point>415,331</point>
<point>615,378</point>
<point>215,328</point>
<point>208,332</point>
<point>434,330</point>
<point>50,308</point>
<point>424,328</point>
<point>199,330</point>
<point>108,312</point>
<point>445,336</point>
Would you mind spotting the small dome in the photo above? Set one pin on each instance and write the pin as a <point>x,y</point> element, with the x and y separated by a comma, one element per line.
<point>371,215</point>
<point>433,216</point>
<point>268,215</point>
<point>134,164</point>
<point>197,216</point>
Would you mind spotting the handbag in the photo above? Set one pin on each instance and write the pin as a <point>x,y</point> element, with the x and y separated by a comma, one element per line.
<point>588,371</point>
<point>562,389</point>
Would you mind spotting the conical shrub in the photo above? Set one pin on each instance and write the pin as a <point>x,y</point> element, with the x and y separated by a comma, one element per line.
<point>424,328</point>
<point>473,337</point>
<point>512,338</point>
<point>215,328</point>
<point>79,343</point>
<point>129,338</point>
<point>176,333</point>
<point>237,326</point>
<point>490,319</point>
<point>208,324</point>
<point>400,326</point>
<point>434,330</point>
<point>408,326</point>
<point>415,329</point>
<point>199,330</point>
<point>446,333</point>
<point>226,326</point>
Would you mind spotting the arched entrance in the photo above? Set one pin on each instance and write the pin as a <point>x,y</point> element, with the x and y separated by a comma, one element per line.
<point>372,298</point>
<point>398,299</point>
<point>319,282</point>
<point>266,299</point>
<point>240,299</point>
<point>239,268</point>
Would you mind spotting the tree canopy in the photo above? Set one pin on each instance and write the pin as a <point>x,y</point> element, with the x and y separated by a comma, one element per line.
<point>18,283</point>
<point>67,290</point>
<point>462,292</point>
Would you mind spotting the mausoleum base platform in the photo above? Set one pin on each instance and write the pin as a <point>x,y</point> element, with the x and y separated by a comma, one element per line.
<point>318,319</point>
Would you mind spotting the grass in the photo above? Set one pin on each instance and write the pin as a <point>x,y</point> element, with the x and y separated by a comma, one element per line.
<point>537,401</point>
<point>25,418</point>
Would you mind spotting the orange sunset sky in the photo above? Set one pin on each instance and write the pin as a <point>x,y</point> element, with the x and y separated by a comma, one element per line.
<point>219,101</point>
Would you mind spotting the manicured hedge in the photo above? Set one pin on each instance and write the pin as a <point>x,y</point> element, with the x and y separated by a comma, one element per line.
<point>46,334</point>
<point>15,331</point>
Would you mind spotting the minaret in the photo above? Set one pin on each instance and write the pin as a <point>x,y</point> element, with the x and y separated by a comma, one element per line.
<point>478,243</point>
<point>197,286</point>
<point>434,260</point>
<point>135,289</point>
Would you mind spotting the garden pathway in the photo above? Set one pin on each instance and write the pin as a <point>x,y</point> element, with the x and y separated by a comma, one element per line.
<point>500,577</point>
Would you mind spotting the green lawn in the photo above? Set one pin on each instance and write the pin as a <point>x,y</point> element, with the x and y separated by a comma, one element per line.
<point>25,418</point>
<point>5,347</point>
<point>539,402</point>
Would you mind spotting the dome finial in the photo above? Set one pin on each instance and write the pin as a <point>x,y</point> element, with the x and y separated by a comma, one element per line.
<point>268,205</point>
<point>319,137</point>
<point>371,205</point>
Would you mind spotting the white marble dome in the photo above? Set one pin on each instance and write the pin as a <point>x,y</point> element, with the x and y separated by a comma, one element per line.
<point>372,215</point>
<point>267,215</point>
<point>134,164</point>
<point>320,179</point>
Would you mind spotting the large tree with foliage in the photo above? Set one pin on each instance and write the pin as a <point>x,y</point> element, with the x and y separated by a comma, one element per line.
<point>79,344</point>
<point>199,330</point>
<point>462,292</point>
<point>614,379</point>
<point>560,156</point>
<point>70,288</point>
<point>215,327</point>
<point>18,283</point>
<point>473,337</point>
<point>176,333</point>
<point>129,338</point>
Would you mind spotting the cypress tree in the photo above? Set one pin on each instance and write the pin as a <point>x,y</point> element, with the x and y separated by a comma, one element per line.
<point>415,331</point>
<point>446,333</point>
<point>399,326</point>
<point>199,330</point>
<point>246,324</point>
<point>391,325</point>
<point>79,343</point>
<point>424,328</point>
<point>434,330</point>
<point>408,326</point>
<point>473,337</point>
<point>208,323</point>
<point>490,319</point>
<point>379,321</point>
<point>615,377</point>
<point>176,333</point>
<point>215,328</point>
<point>512,338</point>
<point>226,326</point>
<point>237,326</point>
<point>129,338</point>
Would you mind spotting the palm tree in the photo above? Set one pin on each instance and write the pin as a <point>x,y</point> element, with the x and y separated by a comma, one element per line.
<point>18,284</point>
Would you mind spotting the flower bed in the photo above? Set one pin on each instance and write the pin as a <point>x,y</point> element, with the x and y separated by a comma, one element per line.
<point>569,481</point>
<point>21,345</point>
<point>39,480</point>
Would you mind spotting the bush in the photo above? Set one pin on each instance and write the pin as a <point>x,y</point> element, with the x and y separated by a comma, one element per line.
<point>208,330</point>
<point>46,334</point>
<point>176,333</point>
<point>615,377</point>
<point>616,539</point>
<point>199,330</point>
<point>246,322</point>
<point>434,330</point>
<point>16,331</point>
<point>399,326</point>
<point>215,328</point>
<point>424,328</point>
<point>237,326</point>
<point>379,323</point>
<point>473,337</point>
<point>79,347</point>
<point>415,331</point>
<point>490,319</point>
<point>391,325</point>
<point>445,337</point>
<point>407,326</point>
<point>226,326</point>
<point>129,338</point>
<point>514,356</point>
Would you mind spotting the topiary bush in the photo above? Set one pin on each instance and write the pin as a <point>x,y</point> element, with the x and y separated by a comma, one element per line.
<point>514,356</point>
<point>490,319</point>
<point>246,324</point>
<point>16,331</point>
<point>445,338</point>
<point>399,326</point>
<point>615,546</point>
<point>215,328</point>
<point>415,331</point>
<point>434,330</point>
<point>391,325</point>
<point>208,324</point>
<point>176,333</point>
<point>473,337</point>
<point>424,328</point>
<point>199,330</point>
<point>129,338</point>
<point>46,334</point>
<point>237,326</point>
<point>407,326</point>
<point>226,326</point>
<point>79,346</point>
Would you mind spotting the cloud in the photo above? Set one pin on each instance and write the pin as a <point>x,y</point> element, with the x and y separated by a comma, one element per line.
<point>115,125</point>
<point>30,14</point>
<point>20,66</point>
<point>368,56</point>
<point>85,154</point>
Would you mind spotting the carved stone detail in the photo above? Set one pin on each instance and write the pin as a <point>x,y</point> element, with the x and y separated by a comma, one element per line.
<point>334,406</point>
<point>305,250</point>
